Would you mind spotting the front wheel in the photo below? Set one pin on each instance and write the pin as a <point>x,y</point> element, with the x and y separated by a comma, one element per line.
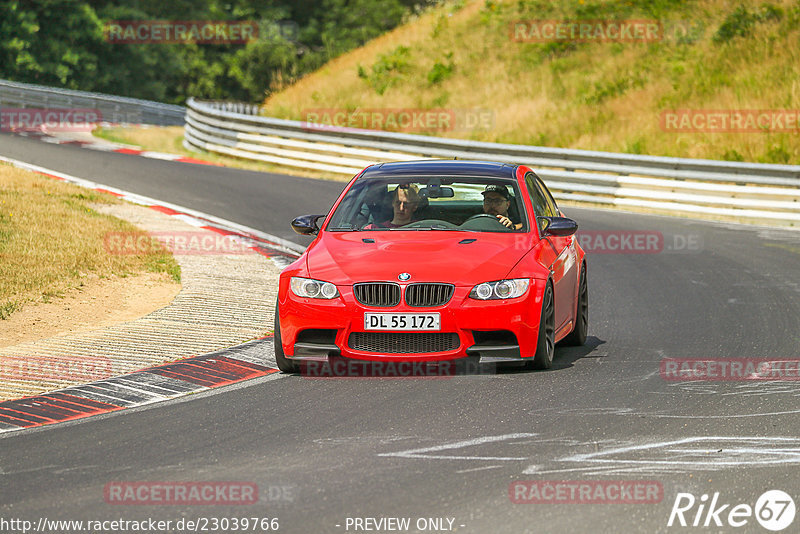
<point>545,346</point>
<point>577,337</point>
<point>284,364</point>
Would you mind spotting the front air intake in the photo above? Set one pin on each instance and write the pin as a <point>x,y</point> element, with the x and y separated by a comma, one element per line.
<point>403,342</point>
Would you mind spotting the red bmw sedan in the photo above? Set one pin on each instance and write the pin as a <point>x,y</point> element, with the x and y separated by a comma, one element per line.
<point>432,261</point>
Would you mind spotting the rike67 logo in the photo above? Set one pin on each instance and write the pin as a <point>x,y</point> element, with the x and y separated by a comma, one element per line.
<point>774,510</point>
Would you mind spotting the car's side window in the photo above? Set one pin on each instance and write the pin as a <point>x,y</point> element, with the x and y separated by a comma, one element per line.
<point>551,202</point>
<point>348,214</point>
<point>540,206</point>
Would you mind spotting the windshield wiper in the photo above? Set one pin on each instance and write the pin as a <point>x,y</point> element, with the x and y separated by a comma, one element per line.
<point>348,228</point>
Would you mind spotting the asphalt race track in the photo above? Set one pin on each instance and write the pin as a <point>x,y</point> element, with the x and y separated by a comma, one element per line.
<point>323,451</point>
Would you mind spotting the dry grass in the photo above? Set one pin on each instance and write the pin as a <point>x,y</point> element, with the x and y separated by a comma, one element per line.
<point>51,239</point>
<point>596,96</point>
<point>156,138</point>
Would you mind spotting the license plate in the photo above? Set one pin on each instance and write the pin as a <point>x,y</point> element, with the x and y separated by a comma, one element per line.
<point>401,321</point>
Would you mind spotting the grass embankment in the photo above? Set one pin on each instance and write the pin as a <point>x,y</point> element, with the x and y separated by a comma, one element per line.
<point>715,54</point>
<point>167,139</point>
<point>51,239</point>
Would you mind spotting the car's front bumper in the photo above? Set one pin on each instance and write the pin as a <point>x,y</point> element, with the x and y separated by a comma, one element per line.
<point>316,329</point>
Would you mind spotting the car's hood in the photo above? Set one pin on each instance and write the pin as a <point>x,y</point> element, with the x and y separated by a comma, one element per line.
<point>427,255</point>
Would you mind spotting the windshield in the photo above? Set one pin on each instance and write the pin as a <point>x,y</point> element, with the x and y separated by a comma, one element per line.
<point>431,203</point>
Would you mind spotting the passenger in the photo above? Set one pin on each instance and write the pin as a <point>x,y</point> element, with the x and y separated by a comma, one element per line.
<point>405,200</point>
<point>375,207</point>
<point>496,201</point>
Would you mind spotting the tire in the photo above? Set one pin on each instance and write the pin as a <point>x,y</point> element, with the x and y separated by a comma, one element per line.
<point>545,346</point>
<point>284,364</point>
<point>577,337</point>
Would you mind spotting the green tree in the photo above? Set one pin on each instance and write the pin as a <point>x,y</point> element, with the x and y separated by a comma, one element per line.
<point>61,43</point>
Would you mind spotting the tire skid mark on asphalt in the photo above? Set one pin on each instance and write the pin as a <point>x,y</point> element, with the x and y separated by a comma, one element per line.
<point>685,455</point>
<point>425,452</point>
<point>652,456</point>
<point>154,384</point>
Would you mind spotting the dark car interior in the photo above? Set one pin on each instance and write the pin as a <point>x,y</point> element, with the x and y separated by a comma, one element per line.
<point>437,208</point>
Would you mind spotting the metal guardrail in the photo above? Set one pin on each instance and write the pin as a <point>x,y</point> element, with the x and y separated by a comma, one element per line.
<point>731,189</point>
<point>114,109</point>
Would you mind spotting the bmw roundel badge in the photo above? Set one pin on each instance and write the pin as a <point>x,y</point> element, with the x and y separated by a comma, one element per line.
<point>403,277</point>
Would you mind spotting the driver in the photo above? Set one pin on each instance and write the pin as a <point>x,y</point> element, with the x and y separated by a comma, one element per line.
<point>496,201</point>
<point>405,199</point>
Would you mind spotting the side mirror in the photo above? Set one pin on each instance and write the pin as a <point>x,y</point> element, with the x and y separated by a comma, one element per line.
<point>306,224</point>
<point>558,226</point>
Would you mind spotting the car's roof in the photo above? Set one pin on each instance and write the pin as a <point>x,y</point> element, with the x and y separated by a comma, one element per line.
<point>440,167</point>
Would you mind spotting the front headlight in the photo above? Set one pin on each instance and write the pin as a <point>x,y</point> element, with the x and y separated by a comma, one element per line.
<point>313,289</point>
<point>501,289</point>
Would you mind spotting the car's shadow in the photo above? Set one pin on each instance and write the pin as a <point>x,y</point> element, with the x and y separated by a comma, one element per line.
<point>565,357</point>
<point>337,367</point>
